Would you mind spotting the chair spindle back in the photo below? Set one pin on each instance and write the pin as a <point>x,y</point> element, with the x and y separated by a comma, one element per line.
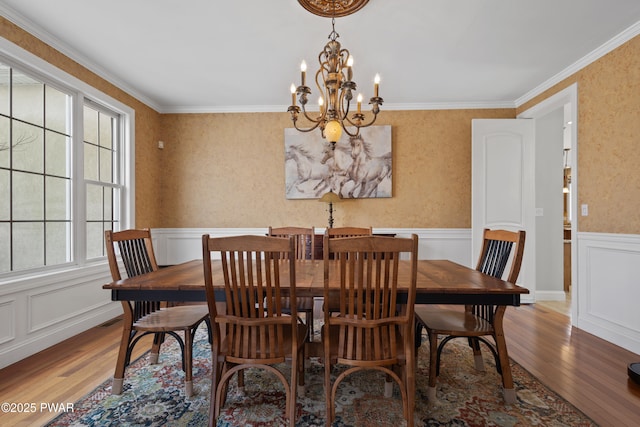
<point>136,251</point>
<point>368,275</point>
<point>498,246</point>
<point>254,321</point>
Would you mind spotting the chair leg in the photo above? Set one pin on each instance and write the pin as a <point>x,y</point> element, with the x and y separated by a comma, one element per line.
<point>300,367</point>
<point>309,320</point>
<point>410,385</point>
<point>327,384</point>
<point>433,366</point>
<point>118,376</point>
<point>215,377</point>
<point>388,386</point>
<point>241,381</point>
<point>188,363</point>
<point>293,391</point>
<point>158,339</point>
<point>418,334</point>
<point>474,343</point>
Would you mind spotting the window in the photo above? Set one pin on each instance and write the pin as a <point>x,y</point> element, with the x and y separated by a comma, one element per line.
<point>101,149</point>
<point>58,192</point>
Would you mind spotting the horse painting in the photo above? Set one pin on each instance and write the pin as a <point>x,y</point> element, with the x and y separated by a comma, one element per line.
<point>308,169</point>
<point>367,171</point>
<point>356,167</point>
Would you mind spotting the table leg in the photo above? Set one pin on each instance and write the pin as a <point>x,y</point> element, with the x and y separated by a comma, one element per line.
<point>501,344</point>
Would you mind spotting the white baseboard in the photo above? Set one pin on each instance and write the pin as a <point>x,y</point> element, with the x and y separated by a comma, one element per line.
<point>550,296</point>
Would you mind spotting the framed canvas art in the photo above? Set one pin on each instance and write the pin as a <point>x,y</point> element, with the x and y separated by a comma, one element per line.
<point>358,167</point>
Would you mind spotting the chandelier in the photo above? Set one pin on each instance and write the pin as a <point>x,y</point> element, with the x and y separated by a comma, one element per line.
<point>336,87</point>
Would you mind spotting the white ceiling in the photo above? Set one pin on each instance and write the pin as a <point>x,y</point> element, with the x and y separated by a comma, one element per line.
<point>242,55</point>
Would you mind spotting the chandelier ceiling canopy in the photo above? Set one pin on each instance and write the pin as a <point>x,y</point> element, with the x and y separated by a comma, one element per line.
<point>329,9</point>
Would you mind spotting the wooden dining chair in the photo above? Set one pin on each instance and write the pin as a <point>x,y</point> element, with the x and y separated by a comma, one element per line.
<point>476,321</point>
<point>348,231</point>
<point>135,253</point>
<point>303,248</point>
<point>369,331</point>
<point>254,331</point>
<point>340,232</point>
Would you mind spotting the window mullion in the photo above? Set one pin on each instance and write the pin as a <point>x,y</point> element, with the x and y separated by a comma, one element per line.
<point>79,210</point>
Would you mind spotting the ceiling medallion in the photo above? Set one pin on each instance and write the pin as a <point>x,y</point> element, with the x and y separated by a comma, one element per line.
<point>331,8</point>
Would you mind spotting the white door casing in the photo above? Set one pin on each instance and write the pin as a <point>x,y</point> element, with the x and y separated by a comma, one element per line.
<point>503,186</point>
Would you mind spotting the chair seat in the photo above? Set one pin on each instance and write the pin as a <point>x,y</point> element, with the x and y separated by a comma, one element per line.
<point>451,322</point>
<point>334,330</point>
<point>173,318</point>
<point>302,337</point>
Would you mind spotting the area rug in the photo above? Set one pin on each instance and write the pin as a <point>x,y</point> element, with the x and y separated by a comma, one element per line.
<point>154,396</point>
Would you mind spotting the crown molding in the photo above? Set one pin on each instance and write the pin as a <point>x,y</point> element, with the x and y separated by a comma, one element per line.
<point>73,54</point>
<point>591,57</point>
<point>387,107</point>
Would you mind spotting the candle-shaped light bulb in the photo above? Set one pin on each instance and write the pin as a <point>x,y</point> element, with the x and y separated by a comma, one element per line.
<point>321,105</point>
<point>376,84</point>
<point>293,94</point>
<point>303,71</point>
<point>349,65</point>
<point>359,103</point>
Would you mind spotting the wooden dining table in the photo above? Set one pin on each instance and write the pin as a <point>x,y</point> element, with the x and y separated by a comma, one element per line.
<point>438,282</point>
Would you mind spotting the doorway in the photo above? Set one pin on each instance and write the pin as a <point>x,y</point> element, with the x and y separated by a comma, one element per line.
<point>560,113</point>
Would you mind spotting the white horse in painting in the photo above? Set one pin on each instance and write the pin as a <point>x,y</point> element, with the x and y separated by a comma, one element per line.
<point>338,159</point>
<point>367,171</point>
<point>308,168</point>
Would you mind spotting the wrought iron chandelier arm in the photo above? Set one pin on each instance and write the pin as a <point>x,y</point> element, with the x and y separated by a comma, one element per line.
<point>315,126</point>
<point>316,121</point>
<point>357,120</point>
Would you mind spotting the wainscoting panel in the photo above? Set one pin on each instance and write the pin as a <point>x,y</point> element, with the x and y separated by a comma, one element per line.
<point>608,287</point>
<point>37,312</point>
<point>176,245</point>
<point>7,320</point>
<point>49,307</point>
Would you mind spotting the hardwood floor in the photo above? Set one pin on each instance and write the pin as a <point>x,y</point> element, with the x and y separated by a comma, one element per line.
<point>587,371</point>
<point>62,374</point>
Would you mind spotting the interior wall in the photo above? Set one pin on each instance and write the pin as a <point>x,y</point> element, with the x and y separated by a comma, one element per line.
<point>608,150</point>
<point>227,170</point>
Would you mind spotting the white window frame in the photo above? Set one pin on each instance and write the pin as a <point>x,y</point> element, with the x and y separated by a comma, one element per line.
<point>15,56</point>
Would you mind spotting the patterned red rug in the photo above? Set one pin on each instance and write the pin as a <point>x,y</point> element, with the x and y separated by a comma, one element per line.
<point>153,396</point>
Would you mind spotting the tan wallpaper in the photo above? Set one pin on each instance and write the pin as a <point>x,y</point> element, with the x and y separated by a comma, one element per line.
<point>608,140</point>
<point>226,170</point>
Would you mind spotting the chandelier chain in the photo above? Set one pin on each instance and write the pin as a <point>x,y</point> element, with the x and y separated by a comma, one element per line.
<point>333,35</point>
